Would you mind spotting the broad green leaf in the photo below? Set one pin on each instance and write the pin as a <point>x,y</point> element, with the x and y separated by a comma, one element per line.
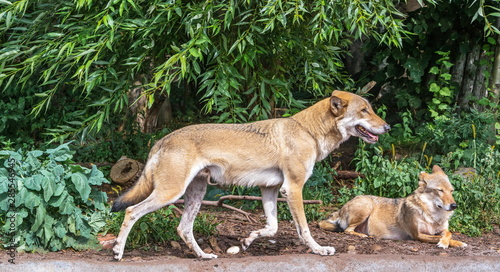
<point>96,177</point>
<point>434,70</point>
<point>34,182</point>
<point>60,230</point>
<point>81,184</point>
<point>57,201</point>
<point>48,188</point>
<point>434,88</point>
<point>39,217</point>
<point>67,206</point>
<point>445,91</point>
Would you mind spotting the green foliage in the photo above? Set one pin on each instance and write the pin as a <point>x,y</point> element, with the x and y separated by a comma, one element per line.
<point>235,55</point>
<point>443,91</point>
<point>111,146</point>
<point>417,77</point>
<point>464,131</point>
<point>383,177</point>
<point>159,227</point>
<point>478,195</point>
<point>57,204</point>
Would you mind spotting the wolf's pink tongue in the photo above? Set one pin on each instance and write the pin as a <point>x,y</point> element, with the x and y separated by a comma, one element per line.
<point>373,136</point>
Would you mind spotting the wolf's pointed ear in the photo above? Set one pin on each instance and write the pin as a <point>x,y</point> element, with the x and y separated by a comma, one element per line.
<point>338,105</point>
<point>421,181</point>
<point>436,169</point>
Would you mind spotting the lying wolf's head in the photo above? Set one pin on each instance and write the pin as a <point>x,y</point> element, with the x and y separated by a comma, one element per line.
<point>436,190</point>
<point>356,117</point>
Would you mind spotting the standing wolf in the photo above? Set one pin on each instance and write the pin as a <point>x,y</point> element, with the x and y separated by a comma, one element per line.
<point>421,216</point>
<point>278,155</point>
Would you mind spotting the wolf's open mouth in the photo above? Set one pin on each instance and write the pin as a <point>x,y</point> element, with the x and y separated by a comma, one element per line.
<point>367,135</point>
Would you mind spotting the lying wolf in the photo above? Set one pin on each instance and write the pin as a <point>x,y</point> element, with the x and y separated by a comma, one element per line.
<point>278,155</point>
<point>422,216</point>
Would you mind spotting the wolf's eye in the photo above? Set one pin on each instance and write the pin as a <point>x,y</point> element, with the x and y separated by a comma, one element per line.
<point>365,110</point>
<point>439,190</point>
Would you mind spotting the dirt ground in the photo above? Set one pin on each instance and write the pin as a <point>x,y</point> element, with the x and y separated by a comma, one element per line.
<point>235,226</point>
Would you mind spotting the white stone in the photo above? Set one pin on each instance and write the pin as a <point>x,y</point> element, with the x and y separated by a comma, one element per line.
<point>233,250</point>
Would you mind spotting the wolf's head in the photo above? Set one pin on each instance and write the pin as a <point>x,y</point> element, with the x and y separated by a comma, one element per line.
<point>356,117</point>
<point>436,190</point>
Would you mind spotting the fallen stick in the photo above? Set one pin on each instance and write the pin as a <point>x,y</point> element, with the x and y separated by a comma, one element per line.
<point>237,197</point>
<point>215,203</point>
<point>220,203</point>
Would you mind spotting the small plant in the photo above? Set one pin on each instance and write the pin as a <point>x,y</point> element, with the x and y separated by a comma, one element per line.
<point>443,91</point>
<point>57,204</point>
<point>384,177</point>
<point>159,227</point>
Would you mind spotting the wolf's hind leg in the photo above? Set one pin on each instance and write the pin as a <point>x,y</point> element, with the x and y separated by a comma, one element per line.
<point>269,199</point>
<point>192,201</point>
<point>331,223</point>
<point>133,213</point>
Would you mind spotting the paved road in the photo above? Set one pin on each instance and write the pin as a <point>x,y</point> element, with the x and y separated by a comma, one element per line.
<point>288,263</point>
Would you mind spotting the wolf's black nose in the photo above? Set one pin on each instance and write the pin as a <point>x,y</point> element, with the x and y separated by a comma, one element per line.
<point>387,127</point>
<point>453,206</point>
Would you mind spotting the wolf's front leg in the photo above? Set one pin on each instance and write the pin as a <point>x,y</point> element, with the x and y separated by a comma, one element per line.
<point>269,202</point>
<point>293,194</point>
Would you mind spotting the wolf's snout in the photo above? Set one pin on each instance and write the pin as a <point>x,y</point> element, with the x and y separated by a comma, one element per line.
<point>387,127</point>
<point>453,206</point>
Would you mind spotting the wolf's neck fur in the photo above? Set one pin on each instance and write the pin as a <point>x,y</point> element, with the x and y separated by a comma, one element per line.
<point>319,121</point>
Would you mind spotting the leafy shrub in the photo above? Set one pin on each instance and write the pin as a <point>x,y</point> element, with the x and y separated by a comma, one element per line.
<point>56,203</point>
<point>384,177</point>
<point>478,196</point>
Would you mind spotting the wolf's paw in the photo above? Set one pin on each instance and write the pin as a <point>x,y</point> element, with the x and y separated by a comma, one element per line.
<point>459,244</point>
<point>117,255</point>
<point>442,245</point>
<point>324,251</point>
<point>246,242</point>
<point>208,256</point>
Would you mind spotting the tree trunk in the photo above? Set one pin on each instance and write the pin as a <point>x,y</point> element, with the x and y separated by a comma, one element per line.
<point>495,73</point>
<point>469,80</point>
<point>457,71</point>
<point>480,89</point>
<point>152,118</point>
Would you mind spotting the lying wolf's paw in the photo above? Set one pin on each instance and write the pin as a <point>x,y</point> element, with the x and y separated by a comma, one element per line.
<point>458,244</point>
<point>442,245</point>
<point>324,251</point>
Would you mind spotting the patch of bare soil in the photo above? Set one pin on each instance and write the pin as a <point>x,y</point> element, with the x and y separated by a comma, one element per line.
<point>235,226</point>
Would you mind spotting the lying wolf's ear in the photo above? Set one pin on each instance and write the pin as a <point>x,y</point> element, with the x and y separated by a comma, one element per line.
<point>436,169</point>
<point>421,181</point>
<point>338,105</point>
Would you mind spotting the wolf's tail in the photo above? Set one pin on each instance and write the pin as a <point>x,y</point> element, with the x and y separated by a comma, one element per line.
<point>142,189</point>
<point>332,223</point>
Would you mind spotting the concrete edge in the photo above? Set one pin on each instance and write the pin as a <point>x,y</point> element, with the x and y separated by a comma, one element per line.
<point>288,263</point>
